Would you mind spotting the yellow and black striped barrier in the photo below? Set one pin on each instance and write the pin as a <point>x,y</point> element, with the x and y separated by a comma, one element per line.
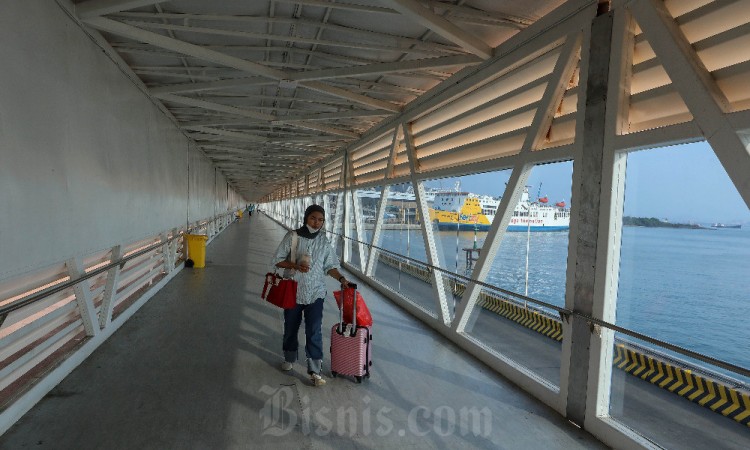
<point>726,400</point>
<point>530,319</point>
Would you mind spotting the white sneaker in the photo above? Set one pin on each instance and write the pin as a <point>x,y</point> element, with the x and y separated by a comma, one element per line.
<point>317,380</point>
<point>286,366</point>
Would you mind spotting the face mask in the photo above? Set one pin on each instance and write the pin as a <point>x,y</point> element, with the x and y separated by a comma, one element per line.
<point>312,230</point>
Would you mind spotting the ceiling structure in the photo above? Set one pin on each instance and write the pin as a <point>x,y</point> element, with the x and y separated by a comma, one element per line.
<point>268,89</point>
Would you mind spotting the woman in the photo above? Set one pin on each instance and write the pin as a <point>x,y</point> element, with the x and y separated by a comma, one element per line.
<point>314,259</point>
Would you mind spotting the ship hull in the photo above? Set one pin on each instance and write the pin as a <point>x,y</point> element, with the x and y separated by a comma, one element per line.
<point>453,226</point>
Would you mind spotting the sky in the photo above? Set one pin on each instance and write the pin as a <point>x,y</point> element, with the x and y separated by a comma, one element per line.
<point>682,183</point>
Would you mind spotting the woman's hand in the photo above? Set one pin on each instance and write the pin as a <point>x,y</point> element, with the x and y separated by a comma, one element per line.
<point>303,269</point>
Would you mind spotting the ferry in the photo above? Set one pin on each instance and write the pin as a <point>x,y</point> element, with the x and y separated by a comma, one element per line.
<point>454,209</point>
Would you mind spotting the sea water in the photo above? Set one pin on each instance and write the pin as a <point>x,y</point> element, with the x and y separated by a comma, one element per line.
<point>688,287</point>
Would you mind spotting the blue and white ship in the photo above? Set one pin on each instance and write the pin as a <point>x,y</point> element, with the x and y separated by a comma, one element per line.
<point>454,209</point>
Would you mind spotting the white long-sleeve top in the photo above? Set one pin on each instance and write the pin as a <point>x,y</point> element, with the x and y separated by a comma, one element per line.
<point>311,285</point>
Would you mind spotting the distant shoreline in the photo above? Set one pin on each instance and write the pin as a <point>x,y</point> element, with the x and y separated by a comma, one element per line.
<point>652,222</point>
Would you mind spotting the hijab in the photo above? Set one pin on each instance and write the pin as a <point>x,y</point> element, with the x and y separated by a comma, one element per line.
<point>304,231</point>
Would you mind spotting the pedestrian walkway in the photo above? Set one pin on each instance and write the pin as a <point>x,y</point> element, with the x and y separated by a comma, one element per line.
<point>198,368</point>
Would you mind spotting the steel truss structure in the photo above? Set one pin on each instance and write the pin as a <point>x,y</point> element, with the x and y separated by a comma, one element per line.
<point>581,85</point>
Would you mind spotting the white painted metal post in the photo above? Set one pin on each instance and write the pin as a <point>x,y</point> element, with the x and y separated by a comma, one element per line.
<point>338,221</point>
<point>327,206</point>
<point>433,256</point>
<point>82,292</point>
<point>369,267</point>
<point>564,68</point>
<point>358,226</point>
<point>166,254</point>
<point>346,251</point>
<point>467,313</point>
<point>110,289</point>
<point>377,230</point>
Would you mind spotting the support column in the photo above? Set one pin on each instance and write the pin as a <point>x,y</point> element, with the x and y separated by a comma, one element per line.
<point>588,205</point>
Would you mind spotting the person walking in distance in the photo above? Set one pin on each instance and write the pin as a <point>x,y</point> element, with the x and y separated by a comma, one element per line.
<point>315,259</point>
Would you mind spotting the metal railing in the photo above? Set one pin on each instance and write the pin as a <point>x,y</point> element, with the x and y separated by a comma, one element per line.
<point>49,313</point>
<point>28,300</point>
<point>564,313</point>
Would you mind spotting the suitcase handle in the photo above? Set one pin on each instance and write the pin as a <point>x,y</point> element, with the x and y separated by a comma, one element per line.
<point>340,329</point>
<point>353,332</point>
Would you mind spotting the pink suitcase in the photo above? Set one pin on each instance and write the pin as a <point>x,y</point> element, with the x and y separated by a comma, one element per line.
<point>350,353</point>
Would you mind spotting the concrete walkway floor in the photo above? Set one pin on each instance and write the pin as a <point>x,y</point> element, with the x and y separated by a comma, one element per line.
<point>198,368</point>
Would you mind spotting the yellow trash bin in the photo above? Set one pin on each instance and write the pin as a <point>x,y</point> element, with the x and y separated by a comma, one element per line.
<point>196,244</point>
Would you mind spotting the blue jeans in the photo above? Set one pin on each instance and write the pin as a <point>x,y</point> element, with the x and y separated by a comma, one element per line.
<point>313,314</point>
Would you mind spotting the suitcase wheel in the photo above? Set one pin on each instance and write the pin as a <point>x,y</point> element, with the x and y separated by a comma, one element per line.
<point>333,373</point>
<point>359,379</point>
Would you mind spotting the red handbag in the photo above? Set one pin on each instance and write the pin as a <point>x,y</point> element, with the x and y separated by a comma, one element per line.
<point>364,318</point>
<point>280,291</point>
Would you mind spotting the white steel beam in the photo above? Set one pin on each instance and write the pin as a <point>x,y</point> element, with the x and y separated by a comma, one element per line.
<point>467,313</point>
<point>462,12</point>
<point>230,134</point>
<point>185,48</point>
<point>433,256</point>
<point>211,85</point>
<point>336,5</point>
<point>554,91</point>
<point>414,10</point>
<point>214,106</point>
<point>358,227</point>
<point>361,36</point>
<point>344,180</point>
<point>94,8</point>
<point>247,113</point>
<point>203,53</point>
<point>110,289</point>
<point>412,47</point>
<point>338,220</point>
<point>357,98</point>
<point>541,37</point>
<point>386,68</point>
<point>82,292</point>
<point>699,91</point>
<point>324,129</point>
<point>331,116</point>
<point>369,269</point>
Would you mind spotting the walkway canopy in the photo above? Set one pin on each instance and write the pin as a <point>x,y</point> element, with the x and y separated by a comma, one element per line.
<point>126,124</point>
